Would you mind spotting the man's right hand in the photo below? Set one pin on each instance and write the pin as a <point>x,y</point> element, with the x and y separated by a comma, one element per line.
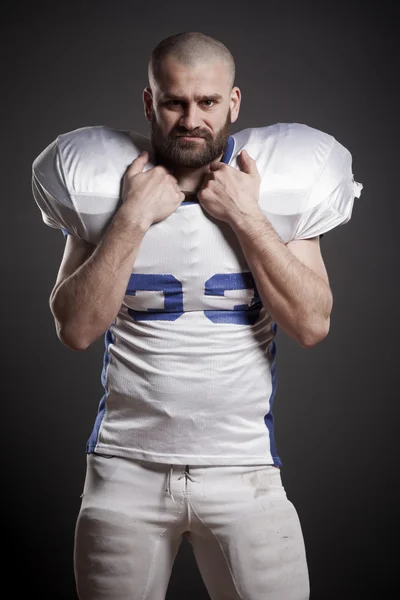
<point>151,196</point>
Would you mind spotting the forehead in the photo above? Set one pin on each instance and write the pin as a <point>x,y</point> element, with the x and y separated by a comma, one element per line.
<point>205,77</point>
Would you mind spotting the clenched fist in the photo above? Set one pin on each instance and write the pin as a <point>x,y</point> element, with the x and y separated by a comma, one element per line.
<point>153,195</point>
<point>228,193</point>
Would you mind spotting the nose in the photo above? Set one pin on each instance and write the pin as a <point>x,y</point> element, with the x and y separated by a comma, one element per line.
<point>190,118</point>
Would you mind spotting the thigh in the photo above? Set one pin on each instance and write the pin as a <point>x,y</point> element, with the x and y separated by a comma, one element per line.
<point>127,533</point>
<point>246,536</point>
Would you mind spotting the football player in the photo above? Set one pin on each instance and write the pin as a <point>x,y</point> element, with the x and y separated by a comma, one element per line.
<point>187,250</point>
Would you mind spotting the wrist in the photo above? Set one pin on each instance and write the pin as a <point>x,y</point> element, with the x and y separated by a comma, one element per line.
<point>133,219</point>
<point>243,220</point>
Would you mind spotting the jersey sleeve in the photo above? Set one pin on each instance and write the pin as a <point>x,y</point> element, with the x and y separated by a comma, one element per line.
<point>51,194</point>
<point>331,197</point>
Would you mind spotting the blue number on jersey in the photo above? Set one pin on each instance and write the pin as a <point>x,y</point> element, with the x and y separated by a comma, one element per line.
<point>173,296</point>
<point>242,314</point>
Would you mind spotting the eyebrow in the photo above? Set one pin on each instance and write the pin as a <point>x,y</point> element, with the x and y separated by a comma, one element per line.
<point>214,97</point>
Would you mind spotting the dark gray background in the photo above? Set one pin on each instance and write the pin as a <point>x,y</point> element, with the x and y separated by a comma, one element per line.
<point>328,65</point>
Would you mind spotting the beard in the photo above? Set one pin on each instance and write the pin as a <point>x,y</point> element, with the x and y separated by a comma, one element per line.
<point>172,150</point>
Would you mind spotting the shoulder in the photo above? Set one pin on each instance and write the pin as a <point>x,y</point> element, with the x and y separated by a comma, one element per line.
<point>76,179</point>
<point>92,159</point>
<point>293,151</point>
<point>99,139</point>
<point>306,181</point>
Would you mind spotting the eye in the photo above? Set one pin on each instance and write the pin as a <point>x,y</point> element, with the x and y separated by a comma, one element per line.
<point>172,103</point>
<point>208,105</point>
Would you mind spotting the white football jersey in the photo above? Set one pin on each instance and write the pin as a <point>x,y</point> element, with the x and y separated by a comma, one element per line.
<point>189,370</point>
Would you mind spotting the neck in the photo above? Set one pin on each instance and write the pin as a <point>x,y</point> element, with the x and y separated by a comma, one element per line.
<point>189,179</point>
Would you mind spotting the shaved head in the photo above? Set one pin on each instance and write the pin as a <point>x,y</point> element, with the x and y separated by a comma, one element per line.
<point>190,48</point>
<point>191,101</point>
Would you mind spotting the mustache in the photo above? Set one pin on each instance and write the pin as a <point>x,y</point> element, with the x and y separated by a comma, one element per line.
<point>192,134</point>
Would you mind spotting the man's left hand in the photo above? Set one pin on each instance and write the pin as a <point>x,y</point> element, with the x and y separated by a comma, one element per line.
<point>229,194</point>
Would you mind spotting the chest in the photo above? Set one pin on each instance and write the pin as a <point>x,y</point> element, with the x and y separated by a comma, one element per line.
<point>190,261</point>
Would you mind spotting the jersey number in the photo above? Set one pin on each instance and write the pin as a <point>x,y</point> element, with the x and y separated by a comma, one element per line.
<point>241,314</point>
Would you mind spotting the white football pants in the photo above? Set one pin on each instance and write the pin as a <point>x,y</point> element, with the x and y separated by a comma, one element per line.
<point>245,533</point>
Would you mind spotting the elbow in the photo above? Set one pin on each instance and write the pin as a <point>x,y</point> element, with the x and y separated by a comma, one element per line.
<point>69,338</point>
<point>314,334</point>
<point>70,341</point>
<point>77,336</point>
<point>67,332</point>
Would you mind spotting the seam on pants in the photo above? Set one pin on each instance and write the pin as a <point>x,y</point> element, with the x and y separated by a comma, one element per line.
<point>222,550</point>
<point>156,549</point>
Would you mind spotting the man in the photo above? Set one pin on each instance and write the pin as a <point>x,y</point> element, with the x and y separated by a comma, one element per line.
<point>188,251</point>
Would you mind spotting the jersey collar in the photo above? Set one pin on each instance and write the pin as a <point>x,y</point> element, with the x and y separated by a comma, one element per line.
<point>228,150</point>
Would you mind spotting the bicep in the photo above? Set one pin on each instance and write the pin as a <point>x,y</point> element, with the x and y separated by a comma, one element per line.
<point>76,252</point>
<point>309,253</point>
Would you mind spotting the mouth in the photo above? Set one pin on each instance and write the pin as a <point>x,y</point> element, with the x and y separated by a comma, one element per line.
<point>190,138</point>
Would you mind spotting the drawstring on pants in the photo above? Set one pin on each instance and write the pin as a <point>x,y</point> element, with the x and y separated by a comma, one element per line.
<point>168,485</point>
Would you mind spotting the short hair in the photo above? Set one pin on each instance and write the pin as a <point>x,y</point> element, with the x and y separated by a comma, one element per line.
<point>190,48</point>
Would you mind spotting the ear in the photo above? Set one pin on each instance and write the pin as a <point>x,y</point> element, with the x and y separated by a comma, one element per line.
<point>148,102</point>
<point>234,104</point>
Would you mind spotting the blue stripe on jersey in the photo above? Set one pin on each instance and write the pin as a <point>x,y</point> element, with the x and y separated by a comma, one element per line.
<point>92,442</point>
<point>229,150</point>
<point>269,417</point>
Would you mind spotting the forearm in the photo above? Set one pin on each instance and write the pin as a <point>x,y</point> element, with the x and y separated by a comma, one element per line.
<point>86,303</point>
<point>298,300</point>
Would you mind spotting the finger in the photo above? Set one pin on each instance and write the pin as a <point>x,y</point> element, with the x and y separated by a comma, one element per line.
<point>206,178</point>
<point>247,164</point>
<point>138,163</point>
<point>214,166</point>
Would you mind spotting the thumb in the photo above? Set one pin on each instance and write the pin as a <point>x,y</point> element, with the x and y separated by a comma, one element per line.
<point>247,164</point>
<point>138,163</point>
